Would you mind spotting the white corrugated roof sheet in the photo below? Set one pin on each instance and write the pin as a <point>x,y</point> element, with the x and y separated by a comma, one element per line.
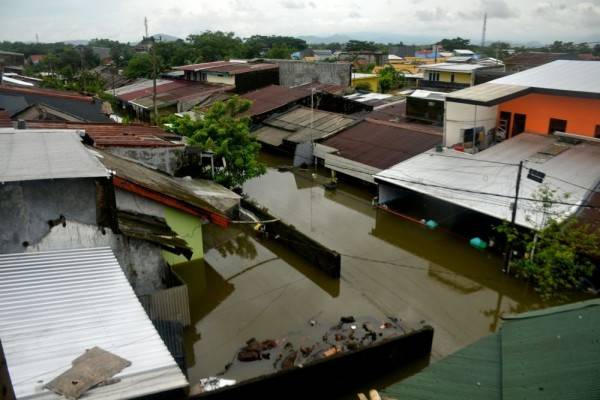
<point>452,176</point>
<point>45,154</point>
<point>568,75</point>
<point>451,67</point>
<point>55,305</point>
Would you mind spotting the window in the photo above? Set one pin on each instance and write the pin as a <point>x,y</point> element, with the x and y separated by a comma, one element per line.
<point>434,76</point>
<point>557,125</point>
<point>452,78</point>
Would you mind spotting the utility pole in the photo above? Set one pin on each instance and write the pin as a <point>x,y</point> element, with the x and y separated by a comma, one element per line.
<point>484,29</point>
<point>154,71</point>
<point>513,218</point>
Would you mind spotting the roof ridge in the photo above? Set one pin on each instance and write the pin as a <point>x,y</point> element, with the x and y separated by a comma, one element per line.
<point>553,310</point>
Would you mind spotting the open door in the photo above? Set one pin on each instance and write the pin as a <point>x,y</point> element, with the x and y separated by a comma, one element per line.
<point>519,122</point>
<point>557,125</point>
<point>504,124</point>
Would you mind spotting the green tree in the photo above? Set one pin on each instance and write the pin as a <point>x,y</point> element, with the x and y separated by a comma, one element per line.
<point>279,51</point>
<point>359,45</point>
<point>557,257</point>
<point>456,43</point>
<point>259,45</point>
<point>226,133</point>
<point>140,66</point>
<point>214,46</point>
<point>389,79</point>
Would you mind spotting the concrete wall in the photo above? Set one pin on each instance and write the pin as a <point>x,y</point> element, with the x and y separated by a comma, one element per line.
<point>164,159</point>
<point>141,261</point>
<point>372,82</point>
<point>464,116</point>
<point>26,208</point>
<point>294,73</point>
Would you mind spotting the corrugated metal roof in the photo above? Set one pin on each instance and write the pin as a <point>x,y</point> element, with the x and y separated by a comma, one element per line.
<point>548,354</point>
<point>63,94</point>
<point>450,67</point>
<point>381,146</point>
<point>33,155</point>
<point>229,67</point>
<point>560,75</point>
<point>532,58</point>
<point>488,93</point>
<point>297,123</point>
<point>273,97</point>
<point>115,135</point>
<point>447,175</point>
<point>55,305</point>
<point>473,373</point>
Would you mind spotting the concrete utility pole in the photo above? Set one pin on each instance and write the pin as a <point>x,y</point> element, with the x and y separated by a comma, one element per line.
<point>513,218</point>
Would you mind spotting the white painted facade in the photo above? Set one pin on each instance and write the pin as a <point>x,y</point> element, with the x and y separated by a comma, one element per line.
<point>459,116</point>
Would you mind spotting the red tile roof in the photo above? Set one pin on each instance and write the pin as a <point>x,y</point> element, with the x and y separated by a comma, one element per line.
<point>272,97</point>
<point>5,121</point>
<point>231,68</point>
<point>114,135</point>
<point>63,94</point>
<point>381,145</point>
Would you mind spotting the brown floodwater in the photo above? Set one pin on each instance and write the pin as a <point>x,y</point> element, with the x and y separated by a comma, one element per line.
<point>248,287</point>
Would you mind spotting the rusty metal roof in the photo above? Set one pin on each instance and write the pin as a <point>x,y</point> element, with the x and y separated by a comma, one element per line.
<point>62,94</point>
<point>228,67</point>
<point>381,145</point>
<point>115,135</point>
<point>337,90</point>
<point>273,97</point>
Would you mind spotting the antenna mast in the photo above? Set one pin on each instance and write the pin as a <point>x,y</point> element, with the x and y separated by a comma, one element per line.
<point>146,25</point>
<point>484,29</point>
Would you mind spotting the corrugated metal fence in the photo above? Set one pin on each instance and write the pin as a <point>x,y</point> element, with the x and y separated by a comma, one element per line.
<point>168,305</point>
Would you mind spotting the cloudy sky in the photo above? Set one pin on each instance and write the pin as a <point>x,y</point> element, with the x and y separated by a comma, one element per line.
<point>511,20</point>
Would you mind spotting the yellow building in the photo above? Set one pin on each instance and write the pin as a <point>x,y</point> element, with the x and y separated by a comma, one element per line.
<point>370,80</point>
<point>449,75</point>
<point>409,65</point>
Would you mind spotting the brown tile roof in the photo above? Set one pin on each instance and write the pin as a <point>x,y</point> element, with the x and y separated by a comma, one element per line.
<point>272,97</point>
<point>231,68</point>
<point>5,121</point>
<point>105,135</point>
<point>381,145</point>
<point>62,94</point>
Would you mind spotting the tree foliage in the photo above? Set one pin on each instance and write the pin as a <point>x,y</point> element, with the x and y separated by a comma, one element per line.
<point>224,132</point>
<point>140,66</point>
<point>359,45</point>
<point>456,43</point>
<point>389,79</point>
<point>559,256</point>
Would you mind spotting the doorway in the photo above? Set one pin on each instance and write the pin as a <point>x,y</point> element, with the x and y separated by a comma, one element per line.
<point>557,125</point>
<point>519,122</point>
<point>504,124</point>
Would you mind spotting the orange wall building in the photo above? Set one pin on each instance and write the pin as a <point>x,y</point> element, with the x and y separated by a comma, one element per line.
<point>544,113</point>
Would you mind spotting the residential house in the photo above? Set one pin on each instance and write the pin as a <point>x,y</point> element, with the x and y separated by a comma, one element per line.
<point>427,106</point>
<point>368,82</point>
<point>35,59</point>
<point>9,59</point>
<point>531,59</point>
<point>528,357</point>
<point>172,96</point>
<point>371,146</point>
<point>365,57</point>
<point>452,76</point>
<point>31,103</point>
<point>293,132</point>
<point>550,115</point>
<point>243,75</point>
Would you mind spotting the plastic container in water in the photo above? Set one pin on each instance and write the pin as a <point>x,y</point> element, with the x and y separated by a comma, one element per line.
<point>431,224</point>
<point>478,243</point>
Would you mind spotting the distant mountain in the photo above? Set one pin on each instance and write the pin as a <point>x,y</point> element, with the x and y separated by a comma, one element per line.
<point>163,37</point>
<point>379,37</point>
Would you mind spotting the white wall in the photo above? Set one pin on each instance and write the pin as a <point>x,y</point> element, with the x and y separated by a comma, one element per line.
<point>464,116</point>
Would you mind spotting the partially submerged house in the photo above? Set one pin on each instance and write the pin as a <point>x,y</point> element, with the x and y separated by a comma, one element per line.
<point>171,96</point>
<point>550,119</point>
<point>426,105</point>
<point>371,146</point>
<point>61,308</point>
<point>32,103</point>
<point>551,353</point>
<point>243,75</point>
<point>294,132</point>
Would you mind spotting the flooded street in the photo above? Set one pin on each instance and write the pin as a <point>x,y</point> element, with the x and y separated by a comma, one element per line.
<point>254,288</point>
